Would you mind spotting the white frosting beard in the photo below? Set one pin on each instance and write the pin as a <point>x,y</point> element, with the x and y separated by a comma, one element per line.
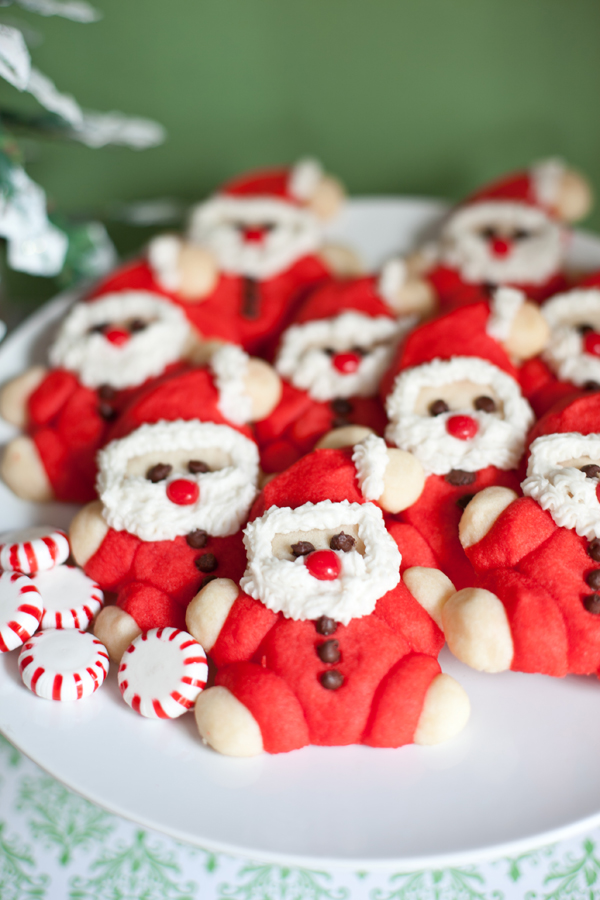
<point>136,505</point>
<point>287,587</point>
<point>147,353</point>
<point>565,491</point>
<point>533,259</point>
<point>565,352</point>
<point>214,225</point>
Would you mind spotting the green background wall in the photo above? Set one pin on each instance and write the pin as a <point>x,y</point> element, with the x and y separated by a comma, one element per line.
<point>404,96</point>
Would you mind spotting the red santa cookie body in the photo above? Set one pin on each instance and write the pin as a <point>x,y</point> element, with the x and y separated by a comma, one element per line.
<point>261,235</point>
<point>325,643</point>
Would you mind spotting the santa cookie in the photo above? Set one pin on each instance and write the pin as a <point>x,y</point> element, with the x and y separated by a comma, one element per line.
<point>535,607</point>
<point>250,254</point>
<point>457,406</point>
<point>331,360</point>
<point>105,351</point>
<point>323,642</point>
<point>173,499</point>
<point>512,232</point>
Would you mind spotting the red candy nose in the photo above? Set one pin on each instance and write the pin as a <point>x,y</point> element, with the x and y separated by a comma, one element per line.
<point>183,492</point>
<point>117,336</point>
<point>254,235</point>
<point>591,343</point>
<point>323,564</point>
<point>346,363</point>
<point>501,247</point>
<point>462,427</point>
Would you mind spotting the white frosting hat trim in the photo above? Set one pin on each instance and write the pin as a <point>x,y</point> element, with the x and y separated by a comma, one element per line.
<point>230,367</point>
<point>504,307</point>
<point>286,586</point>
<point>391,279</point>
<point>370,458</point>
<point>547,176</point>
<point>163,257</point>
<point>304,179</point>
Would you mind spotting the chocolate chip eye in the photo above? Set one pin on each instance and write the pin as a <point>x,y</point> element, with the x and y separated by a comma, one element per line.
<point>438,407</point>
<point>584,328</point>
<point>329,351</point>
<point>197,467</point>
<point>521,234</point>
<point>158,472</point>
<point>99,329</point>
<point>342,541</point>
<point>137,325</point>
<point>360,351</point>
<point>302,548</point>
<point>485,404</point>
<point>591,386</point>
<point>591,470</point>
<point>488,233</point>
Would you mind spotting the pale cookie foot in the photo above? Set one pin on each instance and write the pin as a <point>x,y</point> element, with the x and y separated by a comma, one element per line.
<point>445,712</point>
<point>16,393</point>
<point>88,530</point>
<point>227,725</point>
<point>404,480</point>
<point>23,471</point>
<point>481,513</point>
<point>431,588</point>
<point>207,611</point>
<point>477,630</point>
<point>263,385</point>
<point>347,436</point>
<point>116,629</point>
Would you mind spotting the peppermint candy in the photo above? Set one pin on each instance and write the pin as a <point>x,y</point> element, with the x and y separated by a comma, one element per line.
<point>31,550</point>
<point>162,672</point>
<point>20,610</point>
<point>65,664</point>
<point>69,597</point>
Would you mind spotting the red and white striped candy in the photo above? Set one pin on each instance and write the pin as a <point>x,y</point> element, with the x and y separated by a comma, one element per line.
<point>20,610</point>
<point>63,664</point>
<point>70,598</point>
<point>34,549</point>
<point>162,673</point>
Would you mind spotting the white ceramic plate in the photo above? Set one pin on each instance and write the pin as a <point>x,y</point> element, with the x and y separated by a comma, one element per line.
<point>524,772</point>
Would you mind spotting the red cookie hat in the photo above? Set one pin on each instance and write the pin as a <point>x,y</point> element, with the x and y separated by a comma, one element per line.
<point>294,184</point>
<point>568,416</point>
<point>368,296</point>
<point>537,186</point>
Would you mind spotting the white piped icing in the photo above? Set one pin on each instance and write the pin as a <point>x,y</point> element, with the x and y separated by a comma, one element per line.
<point>287,587</point>
<point>565,353</point>
<point>146,354</point>
<point>136,505</point>
<point>500,439</point>
<point>391,278</point>
<point>230,367</point>
<point>565,491</point>
<point>504,307</point>
<point>214,224</point>
<point>303,361</point>
<point>547,176</point>
<point>535,259</point>
<point>304,179</point>
<point>163,257</point>
<point>370,458</point>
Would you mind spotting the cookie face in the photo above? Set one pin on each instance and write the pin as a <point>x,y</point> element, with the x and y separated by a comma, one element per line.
<point>323,559</point>
<point>120,340</point>
<point>173,478</point>
<point>573,352</point>
<point>563,476</point>
<point>344,356</point>
<point>256,236</point>
<point>502,242</point>
<point>463,413</point>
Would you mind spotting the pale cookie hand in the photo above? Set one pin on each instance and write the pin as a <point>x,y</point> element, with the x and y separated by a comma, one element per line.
<point>575,198</point>
<point>116,629</point>
<point>431,588</point>
<point>182,267</point>
<point>477,630</point>
<point>347,436</point>
<point>445,711</point>
<point>199,351</point>
<point>404,480</point>
<point>208,610</point>
<point>23,471</point>
<point>481,513</point>
<point>263,385</point>
<point>529,332</point>
<point>342,261</point>
<point>227,725</point>
<point>88,530</point>
<point>16,393</point>
<point>414,296</point>
<point>327,198</point>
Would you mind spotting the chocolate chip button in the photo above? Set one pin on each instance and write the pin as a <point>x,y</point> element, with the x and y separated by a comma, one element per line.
<point>197,539</point>
<point>488,288</point>
<point>593,579</point>
<point>106,392</point>
<point>485,404</point>
<point>207,562</point>
<point>438,407</point>
<point>206,580</point>
<point>594,549</point>
<point>326,626</point>
<point>331,680</point>
<point>458,477</point>
<point>592,603</point>
<point>339,422</point>
<point>341,541</point>
<point>302,548</point>
<point>197,467</point>
<point>329,651</point>
<point>591,386</point>
<point>341,406</point>
<point>158,472</point>
<point>106,411</point>
<point>464,501</point>
<point>591,471</point>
